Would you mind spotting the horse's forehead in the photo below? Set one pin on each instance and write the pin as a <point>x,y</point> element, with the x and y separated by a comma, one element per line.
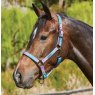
<point>44,24</point>
<point>47,22</point>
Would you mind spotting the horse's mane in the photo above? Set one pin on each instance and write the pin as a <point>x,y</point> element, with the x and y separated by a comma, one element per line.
<point>86,28</point>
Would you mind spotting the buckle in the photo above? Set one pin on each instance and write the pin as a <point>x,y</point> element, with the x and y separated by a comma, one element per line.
<point>44,74</point>
<point>60,40</point>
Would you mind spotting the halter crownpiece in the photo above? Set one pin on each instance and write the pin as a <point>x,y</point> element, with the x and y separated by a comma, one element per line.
<point>59,44</point>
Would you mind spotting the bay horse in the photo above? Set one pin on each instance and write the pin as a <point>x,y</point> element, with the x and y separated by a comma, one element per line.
<point>55,37</point>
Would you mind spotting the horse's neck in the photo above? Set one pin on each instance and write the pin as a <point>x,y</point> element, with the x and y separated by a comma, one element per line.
<point>82,52</point>
<point>82,63</point>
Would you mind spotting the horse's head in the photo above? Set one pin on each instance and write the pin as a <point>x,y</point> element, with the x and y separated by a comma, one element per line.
<point>42,51</point>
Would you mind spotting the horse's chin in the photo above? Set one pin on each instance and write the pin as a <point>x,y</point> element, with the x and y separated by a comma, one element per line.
<point>26,83</point>
<point>25,86</point>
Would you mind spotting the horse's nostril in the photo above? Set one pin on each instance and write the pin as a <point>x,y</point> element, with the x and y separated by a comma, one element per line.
<point>18,77</point>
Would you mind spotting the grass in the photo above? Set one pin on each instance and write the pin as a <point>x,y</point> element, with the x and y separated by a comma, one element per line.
<point>7,85</point>
<point>68,72</point>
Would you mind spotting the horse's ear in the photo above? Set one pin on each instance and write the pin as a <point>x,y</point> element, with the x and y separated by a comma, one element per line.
<point>37,11</point>
<point>46,10</point>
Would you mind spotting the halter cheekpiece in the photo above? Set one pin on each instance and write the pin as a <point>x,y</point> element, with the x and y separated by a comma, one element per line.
<point>59,44</point>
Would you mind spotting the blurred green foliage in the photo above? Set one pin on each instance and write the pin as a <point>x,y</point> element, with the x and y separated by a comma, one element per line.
<point>56,2</point>
<point>8,85</point>
<point>16,28</point>
<point>67,75</point>
<point>82,11</point>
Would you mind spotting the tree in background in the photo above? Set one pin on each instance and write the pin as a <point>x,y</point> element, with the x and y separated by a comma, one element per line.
<point>60,3</point>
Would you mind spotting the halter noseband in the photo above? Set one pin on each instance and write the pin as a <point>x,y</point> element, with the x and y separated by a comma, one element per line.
<point>59,59</point>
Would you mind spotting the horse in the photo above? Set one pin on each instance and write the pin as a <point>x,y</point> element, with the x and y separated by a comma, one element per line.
<point>55,37</point>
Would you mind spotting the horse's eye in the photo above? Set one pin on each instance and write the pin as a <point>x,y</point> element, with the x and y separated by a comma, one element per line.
<point>43,38</point>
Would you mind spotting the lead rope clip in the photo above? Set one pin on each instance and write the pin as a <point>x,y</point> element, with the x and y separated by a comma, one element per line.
<point>41,80</point>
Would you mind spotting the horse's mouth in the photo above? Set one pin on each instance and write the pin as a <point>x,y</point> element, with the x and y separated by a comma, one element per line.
<point>26,85</point>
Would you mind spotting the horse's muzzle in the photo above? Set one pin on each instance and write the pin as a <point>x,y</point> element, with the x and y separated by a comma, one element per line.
<point>19,81</point>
